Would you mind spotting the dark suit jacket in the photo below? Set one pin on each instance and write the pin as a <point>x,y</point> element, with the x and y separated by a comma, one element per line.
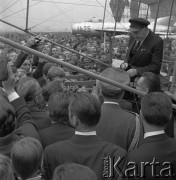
<point>40,116</point>
<point>7,142</point>
<point>85,150</point>
<point>148,58</point>
<point>159,148</point>
<point>116,125</point>
<point>56,132</point>
<point>25,125</point>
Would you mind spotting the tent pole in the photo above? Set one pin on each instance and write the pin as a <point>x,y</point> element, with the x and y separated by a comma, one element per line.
<point>27,15</point>
<point>158,4</point>
<point>170,17</point>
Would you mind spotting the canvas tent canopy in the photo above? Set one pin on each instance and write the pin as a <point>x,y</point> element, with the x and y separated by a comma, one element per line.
<point>118,6</point>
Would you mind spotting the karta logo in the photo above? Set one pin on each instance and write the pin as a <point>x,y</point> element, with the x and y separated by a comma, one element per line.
<point>114,167</point>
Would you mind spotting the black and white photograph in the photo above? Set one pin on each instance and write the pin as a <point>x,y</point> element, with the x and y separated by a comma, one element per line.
<point>87,89</point>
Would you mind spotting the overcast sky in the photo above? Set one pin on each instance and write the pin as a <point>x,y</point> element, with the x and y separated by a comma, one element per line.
<point>51,15</point>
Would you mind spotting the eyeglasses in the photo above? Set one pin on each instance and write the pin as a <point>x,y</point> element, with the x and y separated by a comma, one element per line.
<point>40,92</point>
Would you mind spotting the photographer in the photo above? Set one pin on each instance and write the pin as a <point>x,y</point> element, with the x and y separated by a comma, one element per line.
<point>34,43</point>
<point>37,44</point>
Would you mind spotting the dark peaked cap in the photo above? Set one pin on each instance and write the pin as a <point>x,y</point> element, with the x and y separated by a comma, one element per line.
<point>117,75</point>
<point>138,23</point>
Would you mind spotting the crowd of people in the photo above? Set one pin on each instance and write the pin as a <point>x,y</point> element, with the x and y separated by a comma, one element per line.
<point>53,130</point>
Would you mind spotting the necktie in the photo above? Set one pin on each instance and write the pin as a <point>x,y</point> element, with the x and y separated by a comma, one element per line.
<point>136,46</point>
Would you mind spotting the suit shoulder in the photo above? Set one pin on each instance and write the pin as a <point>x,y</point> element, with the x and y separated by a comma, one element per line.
<point>114,148</point>
<point>156,37</point>
<point>57,146</point>
<point>131,113</point>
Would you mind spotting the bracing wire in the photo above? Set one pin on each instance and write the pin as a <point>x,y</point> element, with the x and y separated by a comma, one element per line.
<point>78,4</point>
<point>55,15</point>
<point>21,10</point>
<point>9,7</point>
<point>58,8</point>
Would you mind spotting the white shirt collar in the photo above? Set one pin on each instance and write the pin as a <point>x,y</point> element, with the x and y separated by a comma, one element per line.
<point>153,133</point>
<point>34,178</point>
<point>86,133</point>
<point>110,102</point>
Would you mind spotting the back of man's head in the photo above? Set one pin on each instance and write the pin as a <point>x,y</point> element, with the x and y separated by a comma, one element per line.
<point>52,87</point>
<point>56,72</point>
<point>156,108</point>
<point>73,171</point>
<point>86,109</point>
<point>151,81</point>
<point>58,106</point>
<point>26,157</point>
<point>46,68</point>
<point>28,88</point>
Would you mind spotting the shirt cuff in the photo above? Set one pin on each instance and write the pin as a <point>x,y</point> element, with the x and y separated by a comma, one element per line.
<point>13,96</point>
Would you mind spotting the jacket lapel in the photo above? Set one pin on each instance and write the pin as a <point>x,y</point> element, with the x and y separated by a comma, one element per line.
<point>129,49</point>
<point>142,49</point>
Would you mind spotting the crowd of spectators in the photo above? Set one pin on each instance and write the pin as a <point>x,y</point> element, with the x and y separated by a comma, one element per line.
<point>53,130</point>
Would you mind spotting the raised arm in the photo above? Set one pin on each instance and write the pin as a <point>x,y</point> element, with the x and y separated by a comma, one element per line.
<point>25,125</point>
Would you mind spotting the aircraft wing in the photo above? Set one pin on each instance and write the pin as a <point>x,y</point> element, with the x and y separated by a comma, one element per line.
<point>119,32</point>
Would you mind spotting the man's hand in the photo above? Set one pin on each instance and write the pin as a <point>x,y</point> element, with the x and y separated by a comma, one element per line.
<point>124,66</point>
<point>41,60</point>
<point>132,72</point>
<point>9,84</point>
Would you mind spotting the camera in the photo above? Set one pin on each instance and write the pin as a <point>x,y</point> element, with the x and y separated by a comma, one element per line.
<point>37,40</point>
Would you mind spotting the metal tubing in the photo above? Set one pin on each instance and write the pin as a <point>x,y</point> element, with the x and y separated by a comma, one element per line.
<point>27,15</point>
<point>147,12</point>
<point>138,8</point>
<point>103,19</point>
<point>170,17</point>
<point>110,49</point>
<point>54,43</point>
<point>154,28</point>
<point>70,66</point>
<point>172,88</point>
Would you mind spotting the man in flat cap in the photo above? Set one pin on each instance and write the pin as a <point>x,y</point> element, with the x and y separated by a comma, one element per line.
<point>145,50</point>
<point>117,125</point>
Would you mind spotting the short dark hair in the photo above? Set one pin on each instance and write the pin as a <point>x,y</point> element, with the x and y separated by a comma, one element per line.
<point>46,68</point>
<point>86,108</point>
<point>152,81</point>
<point>58,106</point>
<point>72,171</point>
<point>52,87</point>
<point>55,72</point>
<point>26,157</point>
<point>156,108</point>
<point>7,118</point>
<point>112,95</point>
<point>28,88</point>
